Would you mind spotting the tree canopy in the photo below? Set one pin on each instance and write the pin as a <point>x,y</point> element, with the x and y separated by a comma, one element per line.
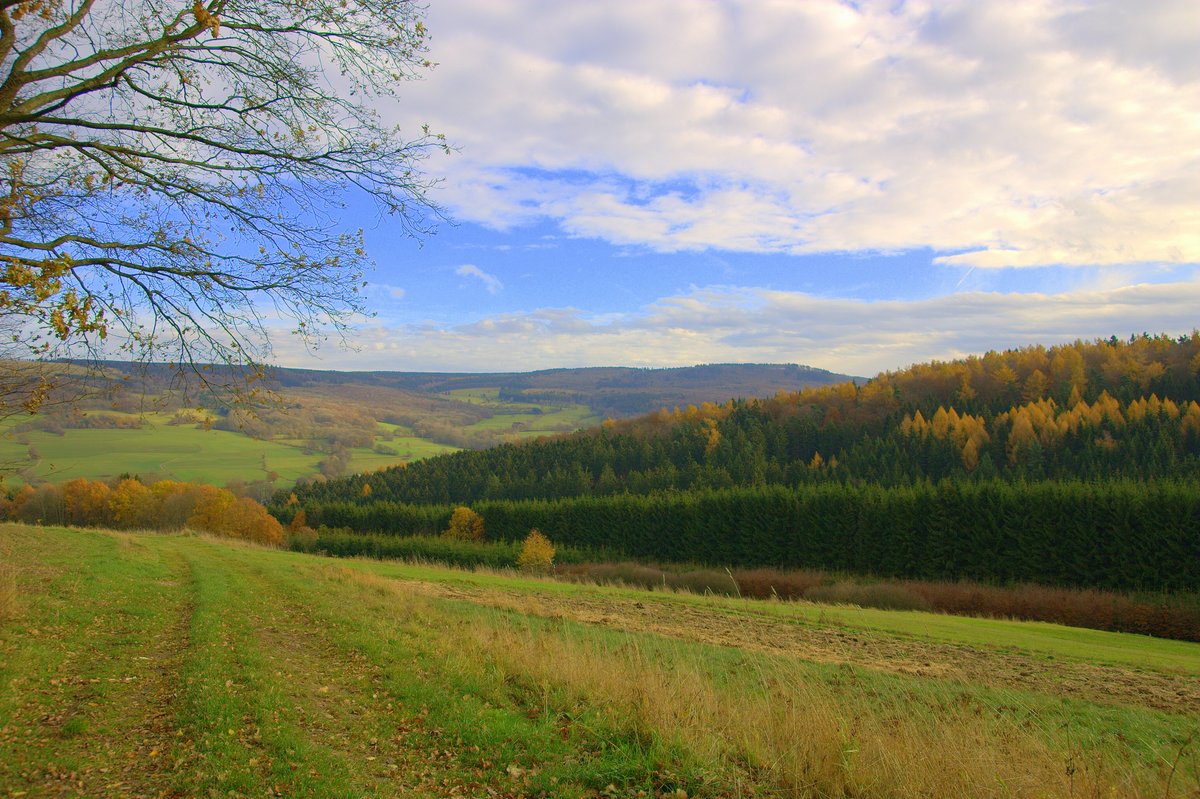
<point>170,173</point>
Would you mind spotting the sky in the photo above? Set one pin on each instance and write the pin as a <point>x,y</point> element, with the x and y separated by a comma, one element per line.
<point>856,186</point>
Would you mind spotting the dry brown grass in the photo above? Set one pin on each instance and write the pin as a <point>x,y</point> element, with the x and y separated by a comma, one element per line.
<point>887,596</point>
<point>1164,616</point>
<point>779,730</point>
<point>1096,609</point>
<point>773,728</point>
<point>764,583</point>
<point>639,575</point>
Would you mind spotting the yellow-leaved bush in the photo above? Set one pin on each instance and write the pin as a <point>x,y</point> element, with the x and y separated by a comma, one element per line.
<point>537,553</point>
<point>465,525</point>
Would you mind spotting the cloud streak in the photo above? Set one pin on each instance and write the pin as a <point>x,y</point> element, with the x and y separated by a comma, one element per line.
<point>490,282</point>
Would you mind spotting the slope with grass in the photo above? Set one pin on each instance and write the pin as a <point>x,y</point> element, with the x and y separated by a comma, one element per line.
<point>147,665</point>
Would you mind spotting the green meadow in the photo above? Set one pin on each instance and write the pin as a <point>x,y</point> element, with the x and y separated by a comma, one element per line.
<point>149,665</point>
<point>524,419</point>
<point>187,452</point>
<point>181,452</point>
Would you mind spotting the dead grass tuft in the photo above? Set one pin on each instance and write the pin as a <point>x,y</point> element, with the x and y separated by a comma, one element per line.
<point>886,596</point>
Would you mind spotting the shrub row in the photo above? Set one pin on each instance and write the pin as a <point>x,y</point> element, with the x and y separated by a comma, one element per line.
<point>1176,616</point>
<point>1165,617</point>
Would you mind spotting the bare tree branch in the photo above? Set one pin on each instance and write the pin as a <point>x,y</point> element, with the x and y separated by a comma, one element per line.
<point>169,177</point>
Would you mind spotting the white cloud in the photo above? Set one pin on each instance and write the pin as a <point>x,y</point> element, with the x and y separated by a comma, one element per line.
<point>490,282</point>
<point>728,324</point>
<point>1011,132</point>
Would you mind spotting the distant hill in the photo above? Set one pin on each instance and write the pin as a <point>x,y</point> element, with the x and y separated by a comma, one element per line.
<point>1109,408</point>
<point>609,391</point>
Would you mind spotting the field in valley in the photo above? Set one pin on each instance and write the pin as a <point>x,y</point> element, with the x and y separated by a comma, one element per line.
<point>169,665</point>
<point>362,421</point>
<point>191,453</point>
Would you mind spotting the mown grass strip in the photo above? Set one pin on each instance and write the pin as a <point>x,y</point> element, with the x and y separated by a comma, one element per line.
<point>498,739</point>
<point>293,675</point>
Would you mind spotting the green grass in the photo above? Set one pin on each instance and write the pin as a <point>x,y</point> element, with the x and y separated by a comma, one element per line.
<point>408,448</point>
<point>552,419</point>
<point>535,419</point>
<point>176,665</point>
<point>180,452</point>
<point>476,396</point>
<point>1041,639</point>
<point>185,452</point>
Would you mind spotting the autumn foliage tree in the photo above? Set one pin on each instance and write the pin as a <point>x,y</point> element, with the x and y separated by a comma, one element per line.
<point>131,504</point>
<point>86,501</point>
<point>537,553</point>
<point>465,525</point>
<point>167,171</point>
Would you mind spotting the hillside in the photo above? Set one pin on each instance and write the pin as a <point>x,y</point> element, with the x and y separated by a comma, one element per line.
<point>615,391</point>
<point>155,422</point>
<point>174,665</point>
<point>1072,464</point>
<point>1106,409</point>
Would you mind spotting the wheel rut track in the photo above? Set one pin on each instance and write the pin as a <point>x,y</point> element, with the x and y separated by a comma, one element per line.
<point>339,697</point>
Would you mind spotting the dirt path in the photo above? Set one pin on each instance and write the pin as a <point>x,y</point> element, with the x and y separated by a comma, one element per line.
<point>828,644</point>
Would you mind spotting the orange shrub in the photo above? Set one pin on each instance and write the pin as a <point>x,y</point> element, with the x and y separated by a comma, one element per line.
<point>85,502</point>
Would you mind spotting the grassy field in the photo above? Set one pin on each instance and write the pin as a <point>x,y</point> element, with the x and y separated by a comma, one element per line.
<point>181,452</point>
<point>154,665</point>
<point>185,452</point>
<point>523,419</point>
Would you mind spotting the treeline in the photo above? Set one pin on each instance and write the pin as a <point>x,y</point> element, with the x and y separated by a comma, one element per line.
<point>1105,410</point>
<point>745,444</point>
<point>59,420</point>
<point>1123,535</point>
<point>128,503</point>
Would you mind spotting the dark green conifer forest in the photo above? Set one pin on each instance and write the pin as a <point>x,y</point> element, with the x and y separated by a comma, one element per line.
<point>1072,465</point>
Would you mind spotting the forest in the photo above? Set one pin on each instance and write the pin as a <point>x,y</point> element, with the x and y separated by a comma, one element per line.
<point>1073,464</point>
